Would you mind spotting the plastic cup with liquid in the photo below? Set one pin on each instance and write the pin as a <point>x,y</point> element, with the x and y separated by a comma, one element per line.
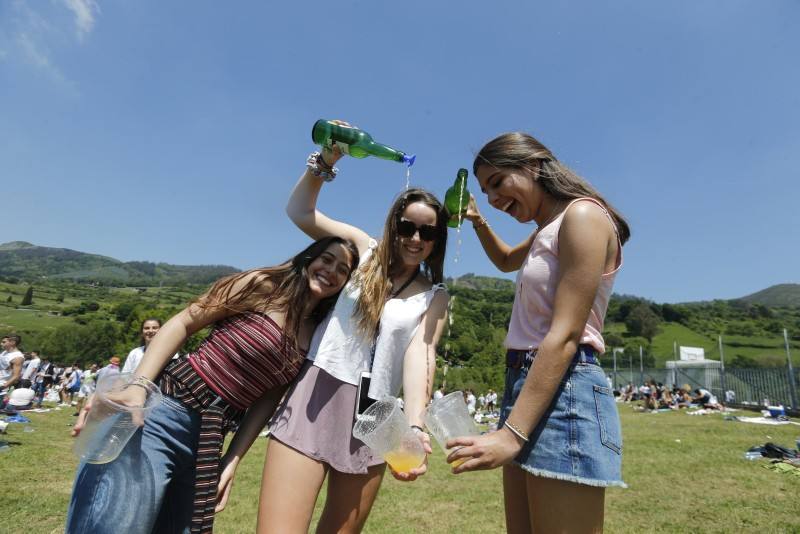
<point>448,418</point>
<point>383,427</point>
<point>110,424</point>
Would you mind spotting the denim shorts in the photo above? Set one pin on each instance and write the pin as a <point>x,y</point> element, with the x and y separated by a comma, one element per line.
<point>578,438</point>
<point>149,487</point>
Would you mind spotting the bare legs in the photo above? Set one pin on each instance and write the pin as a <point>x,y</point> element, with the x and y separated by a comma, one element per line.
<point>291,483</point>
<point>536,504</point>
<point>289,487</point>
<point>349,500</point>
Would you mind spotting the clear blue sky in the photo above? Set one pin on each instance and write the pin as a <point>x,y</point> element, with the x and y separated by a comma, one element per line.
<point>174,131</point>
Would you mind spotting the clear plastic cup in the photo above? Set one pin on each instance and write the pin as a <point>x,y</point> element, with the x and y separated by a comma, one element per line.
<point>110,424</point>
<point>384,429</point>
<point>448,418</point>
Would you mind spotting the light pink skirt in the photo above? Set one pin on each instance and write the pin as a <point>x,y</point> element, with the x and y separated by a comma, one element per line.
<point>316,419</point>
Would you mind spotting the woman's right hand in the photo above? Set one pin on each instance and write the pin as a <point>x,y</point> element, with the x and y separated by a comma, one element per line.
<point>331,155</point>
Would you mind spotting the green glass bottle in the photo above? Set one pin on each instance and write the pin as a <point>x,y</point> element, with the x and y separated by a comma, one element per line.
<point>456,199</point>
<point>355,142</point>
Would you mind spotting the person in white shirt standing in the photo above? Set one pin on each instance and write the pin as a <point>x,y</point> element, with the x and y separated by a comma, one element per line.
<point>32,367</point>
<point>470,402</point>
<point>10,362</point>
<point>149,329</point>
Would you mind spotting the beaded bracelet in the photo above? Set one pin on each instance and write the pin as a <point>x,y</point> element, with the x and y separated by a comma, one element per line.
<point>481,223</point>
<point>516,431</point>
<point>318,167</point>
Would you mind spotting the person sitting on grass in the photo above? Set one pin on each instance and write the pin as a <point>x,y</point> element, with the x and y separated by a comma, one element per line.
<point>667,400</point>
<point>682,397</point>
<point>705,399</point>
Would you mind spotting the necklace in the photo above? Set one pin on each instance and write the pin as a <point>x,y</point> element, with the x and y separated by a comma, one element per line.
<point>405,285</point>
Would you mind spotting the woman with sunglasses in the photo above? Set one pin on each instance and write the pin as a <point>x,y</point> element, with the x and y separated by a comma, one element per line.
<point>559,439</point>
<point>388,320</point>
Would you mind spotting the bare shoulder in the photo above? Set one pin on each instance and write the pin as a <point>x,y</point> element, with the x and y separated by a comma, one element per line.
<point>586,218</point>
<point>249,282</point>
<point>440,299</point>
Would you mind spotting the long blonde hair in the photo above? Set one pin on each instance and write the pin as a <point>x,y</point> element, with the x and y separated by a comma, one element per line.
<point>520,151</point>
<point>374,277</point>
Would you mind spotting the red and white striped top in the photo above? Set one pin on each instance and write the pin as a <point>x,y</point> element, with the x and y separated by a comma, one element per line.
<point>244,356</point>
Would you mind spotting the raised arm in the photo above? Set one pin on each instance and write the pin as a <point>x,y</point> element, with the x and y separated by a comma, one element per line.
<point>302,208</point>
<point>505,257</point>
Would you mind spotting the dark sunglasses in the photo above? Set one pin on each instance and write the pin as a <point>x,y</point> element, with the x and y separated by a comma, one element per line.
<point>427,232</point>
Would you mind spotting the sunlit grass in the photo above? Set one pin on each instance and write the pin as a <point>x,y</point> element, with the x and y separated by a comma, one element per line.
<point>686,473</point>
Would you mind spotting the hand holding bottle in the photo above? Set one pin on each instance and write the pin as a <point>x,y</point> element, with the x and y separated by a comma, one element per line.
<point>472,213</point>
<point>333,154</point>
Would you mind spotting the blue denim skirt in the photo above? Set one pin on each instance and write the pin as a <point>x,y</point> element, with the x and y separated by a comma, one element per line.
<point>578,438</point>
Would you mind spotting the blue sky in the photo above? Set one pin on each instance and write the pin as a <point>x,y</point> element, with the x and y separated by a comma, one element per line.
<point>174,131</point>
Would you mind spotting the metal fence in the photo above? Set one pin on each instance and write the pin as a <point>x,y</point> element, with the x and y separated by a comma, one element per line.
<point>748,386</point>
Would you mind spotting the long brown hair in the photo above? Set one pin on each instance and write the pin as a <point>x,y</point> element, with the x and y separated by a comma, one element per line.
<point>281,287</point>
<point>520,151</point>
<point>374,276</point>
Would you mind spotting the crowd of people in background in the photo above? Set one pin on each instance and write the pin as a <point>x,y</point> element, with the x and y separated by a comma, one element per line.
<point>654,395</point>
<point>28,379</point>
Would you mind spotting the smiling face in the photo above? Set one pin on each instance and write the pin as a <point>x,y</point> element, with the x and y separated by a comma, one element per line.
<point>149,329</point>
<point>511,191</point>
<point>413,250</point>
<point>329,271</point>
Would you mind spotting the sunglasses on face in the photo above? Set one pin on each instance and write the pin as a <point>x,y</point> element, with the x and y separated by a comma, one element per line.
<point>427,232</point>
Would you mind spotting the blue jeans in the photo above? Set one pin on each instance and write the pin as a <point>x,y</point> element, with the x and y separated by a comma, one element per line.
<point>578,439</point>
<point>149,487</point>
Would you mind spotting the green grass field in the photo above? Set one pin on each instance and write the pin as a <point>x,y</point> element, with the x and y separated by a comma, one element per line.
<point>686,473</point>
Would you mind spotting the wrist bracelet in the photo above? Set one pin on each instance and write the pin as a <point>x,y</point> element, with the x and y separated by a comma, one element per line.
<point>516,431</point>
<point>481,223</point>
<point>318,167</point>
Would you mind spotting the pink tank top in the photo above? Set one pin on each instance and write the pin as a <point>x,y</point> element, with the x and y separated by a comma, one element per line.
<point>532,311</point>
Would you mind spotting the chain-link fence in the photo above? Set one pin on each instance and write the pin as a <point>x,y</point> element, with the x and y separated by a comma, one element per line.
<point>743,386</point>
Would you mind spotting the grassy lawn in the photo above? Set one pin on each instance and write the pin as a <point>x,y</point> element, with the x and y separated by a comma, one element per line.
<point>686,473</point>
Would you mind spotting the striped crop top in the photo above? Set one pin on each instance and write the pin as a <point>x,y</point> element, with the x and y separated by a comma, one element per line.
<point>244,356</point>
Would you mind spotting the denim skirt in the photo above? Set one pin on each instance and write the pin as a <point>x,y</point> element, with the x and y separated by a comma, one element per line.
<point>578,438</point>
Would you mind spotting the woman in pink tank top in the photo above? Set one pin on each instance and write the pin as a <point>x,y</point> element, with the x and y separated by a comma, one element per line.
<point>559,439</point>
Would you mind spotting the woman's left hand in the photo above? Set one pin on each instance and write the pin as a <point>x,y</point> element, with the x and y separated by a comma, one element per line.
<point>412,475</point>
<point>487,451</point>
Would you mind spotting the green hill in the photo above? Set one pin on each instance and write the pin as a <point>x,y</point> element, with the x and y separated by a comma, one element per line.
<point>779,295</point>
<point>24,261</point>
<point>88,306</point>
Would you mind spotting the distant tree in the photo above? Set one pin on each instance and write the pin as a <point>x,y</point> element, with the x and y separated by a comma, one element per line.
<point>613,339</point>
<point>642,321</point>
<point>9,299</point>
<point>27,300</point>
<point>60,298</point>
<point>674,313</point>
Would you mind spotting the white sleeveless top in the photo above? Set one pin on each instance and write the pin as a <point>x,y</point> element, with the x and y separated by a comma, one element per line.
<point>343,352</point>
